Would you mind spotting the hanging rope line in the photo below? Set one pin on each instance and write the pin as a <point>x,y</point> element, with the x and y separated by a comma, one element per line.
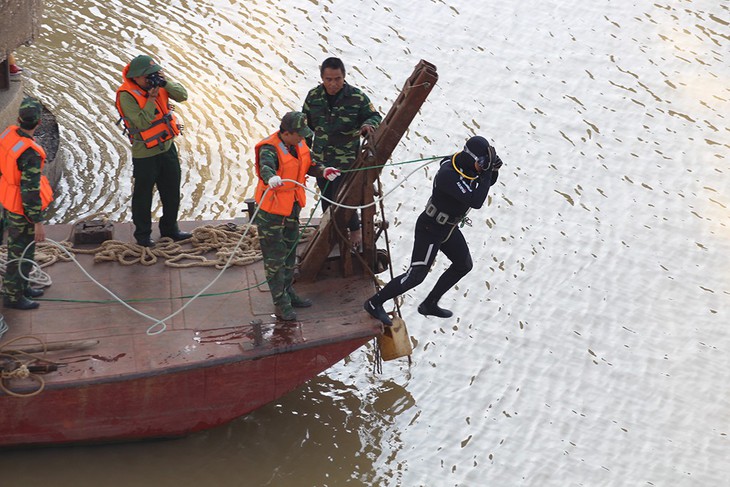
<point>242,252</point>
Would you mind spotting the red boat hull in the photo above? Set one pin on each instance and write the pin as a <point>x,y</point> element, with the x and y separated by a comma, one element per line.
<point>221,357</point>
<point>163,405</point>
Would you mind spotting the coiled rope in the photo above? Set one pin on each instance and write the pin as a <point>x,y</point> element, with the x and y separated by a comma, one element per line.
<point>146,255</point>
<point>15,363</point>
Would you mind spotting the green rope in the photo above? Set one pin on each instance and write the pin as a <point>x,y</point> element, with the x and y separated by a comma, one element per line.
<point>255,286</point>
<point>433,158</point>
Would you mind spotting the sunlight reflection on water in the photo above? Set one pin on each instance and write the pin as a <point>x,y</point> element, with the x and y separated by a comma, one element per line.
<point>590,342</point>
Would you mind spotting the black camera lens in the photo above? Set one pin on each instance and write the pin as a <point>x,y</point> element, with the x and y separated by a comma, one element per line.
<point>155,79</point>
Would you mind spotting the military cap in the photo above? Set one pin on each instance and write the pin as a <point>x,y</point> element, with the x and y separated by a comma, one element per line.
<point>30,111</point>
<point>142,65</point>
<point>296,122</point>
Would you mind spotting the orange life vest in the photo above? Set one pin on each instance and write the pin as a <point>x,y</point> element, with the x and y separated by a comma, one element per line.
<point>280,201</point>
<point>164,126</point>
<point>12,145</point>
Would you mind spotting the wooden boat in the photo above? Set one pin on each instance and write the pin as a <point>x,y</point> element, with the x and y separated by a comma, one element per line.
<point>222,356</point>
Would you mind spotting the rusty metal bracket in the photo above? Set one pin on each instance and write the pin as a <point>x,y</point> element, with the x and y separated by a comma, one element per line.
<point>357,187</point>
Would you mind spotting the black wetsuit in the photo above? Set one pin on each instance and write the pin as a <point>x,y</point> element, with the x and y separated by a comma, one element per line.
<point>452,197</point>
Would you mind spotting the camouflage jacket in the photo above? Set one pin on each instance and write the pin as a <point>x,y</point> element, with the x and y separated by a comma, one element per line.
<point>337,129</point>
<point>29,165</point>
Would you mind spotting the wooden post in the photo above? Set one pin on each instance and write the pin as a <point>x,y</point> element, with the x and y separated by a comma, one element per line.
<point>357,187</point>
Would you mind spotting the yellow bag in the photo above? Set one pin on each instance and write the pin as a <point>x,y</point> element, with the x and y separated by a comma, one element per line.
<point>395,342</point>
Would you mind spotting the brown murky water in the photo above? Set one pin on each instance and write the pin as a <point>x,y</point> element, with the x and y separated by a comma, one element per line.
<point>590,343</point>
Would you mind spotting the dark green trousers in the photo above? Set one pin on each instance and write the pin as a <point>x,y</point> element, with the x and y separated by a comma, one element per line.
<point>20,233</point>
<point>278,235</point>
<point>163,171</point>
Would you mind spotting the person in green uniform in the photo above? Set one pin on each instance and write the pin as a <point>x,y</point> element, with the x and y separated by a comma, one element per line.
<point>25,194</point>
<point>338,114</point>
<point>281,158</point>
<point>143,102</point>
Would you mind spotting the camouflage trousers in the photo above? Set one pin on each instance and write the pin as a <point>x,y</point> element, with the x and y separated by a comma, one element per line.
<point>278,236</point>
<point>20,233</point>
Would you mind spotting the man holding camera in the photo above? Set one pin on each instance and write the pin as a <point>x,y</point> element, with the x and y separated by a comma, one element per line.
<point>143,102</point>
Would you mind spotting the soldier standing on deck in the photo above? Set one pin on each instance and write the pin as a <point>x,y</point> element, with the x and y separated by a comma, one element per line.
<point>284,155</point>
<point>143,102</point>
<point>339,114</point>
<point>24,193</point>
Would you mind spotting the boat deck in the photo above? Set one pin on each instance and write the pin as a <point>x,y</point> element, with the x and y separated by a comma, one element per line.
<point>233,321</point>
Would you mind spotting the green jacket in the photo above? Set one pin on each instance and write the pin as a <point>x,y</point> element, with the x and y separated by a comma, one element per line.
<point>141,118</point>
<point>337,129</point>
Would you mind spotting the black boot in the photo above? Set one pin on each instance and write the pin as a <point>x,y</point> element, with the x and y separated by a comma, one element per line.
<point>32,292</point>
<point>22,303</point>
<point>377,311</point>
<point>285,313</point>
<point>298,301</point>
<point>427,308</point>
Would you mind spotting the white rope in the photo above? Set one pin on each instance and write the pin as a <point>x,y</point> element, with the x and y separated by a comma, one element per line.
<point>373,203</point>
<point>161,322</point>
<point>37,275</point>
<point>3,326</point>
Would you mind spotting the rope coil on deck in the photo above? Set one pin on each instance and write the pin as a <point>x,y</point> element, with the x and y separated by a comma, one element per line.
<point>223,239</point>
<point>245,249</point>
<point>15,368</point>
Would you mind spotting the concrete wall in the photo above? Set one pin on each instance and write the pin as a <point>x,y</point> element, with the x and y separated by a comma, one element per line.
<point>20,22</point>
<point>10,102</point>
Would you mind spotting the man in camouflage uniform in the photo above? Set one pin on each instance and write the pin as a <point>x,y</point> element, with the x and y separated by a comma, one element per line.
<point>25,193</point>
<point>282,156</point>
<point>339,114</point>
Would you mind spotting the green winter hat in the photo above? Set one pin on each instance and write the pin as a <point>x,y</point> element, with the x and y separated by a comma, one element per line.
<point>142,65</point>
<point>30,111</point>
<point>296,122</point>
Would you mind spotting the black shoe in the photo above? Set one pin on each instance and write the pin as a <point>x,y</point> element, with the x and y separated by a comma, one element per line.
<point>377,312</point>
<point>33,292</point>
<point>298,301</point>
<point>22,303</point>
<point>285,314</point>
<point>178,236</point>
<point>427,308</point>
<point>146,242</point>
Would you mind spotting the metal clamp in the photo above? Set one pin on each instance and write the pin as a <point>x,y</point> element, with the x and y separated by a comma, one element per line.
<point>440,217</point>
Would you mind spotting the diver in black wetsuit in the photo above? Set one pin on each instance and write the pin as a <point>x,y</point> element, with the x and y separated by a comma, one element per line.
<point>461,183</point>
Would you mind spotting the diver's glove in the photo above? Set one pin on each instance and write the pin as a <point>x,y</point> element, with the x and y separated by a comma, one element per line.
<point>490,161</point>
<point>497,163</point>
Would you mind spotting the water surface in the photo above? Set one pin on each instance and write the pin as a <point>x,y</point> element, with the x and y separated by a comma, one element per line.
<point>590,343</point>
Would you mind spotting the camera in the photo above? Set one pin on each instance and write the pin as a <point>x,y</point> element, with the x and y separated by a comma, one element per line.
<point>156,79</point>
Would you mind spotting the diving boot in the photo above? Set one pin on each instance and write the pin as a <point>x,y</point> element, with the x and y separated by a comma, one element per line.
<point>285,313</point>
<point>427,308</point>
<point>378,312</point>
<point>298,301</point>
